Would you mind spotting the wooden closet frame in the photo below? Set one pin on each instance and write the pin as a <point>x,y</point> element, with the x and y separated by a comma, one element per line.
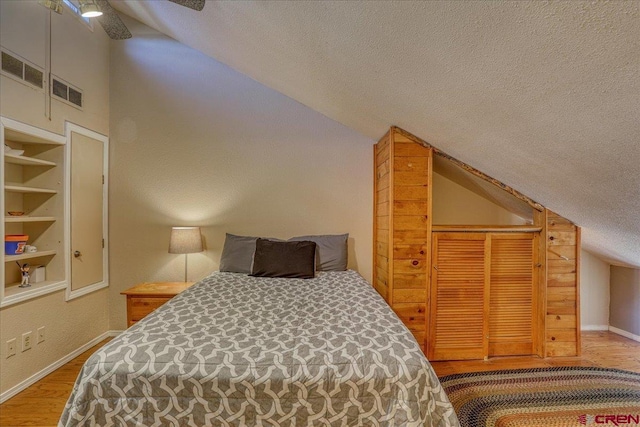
<point>558,312</point>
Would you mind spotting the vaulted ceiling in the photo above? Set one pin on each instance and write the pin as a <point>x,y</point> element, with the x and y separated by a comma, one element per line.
<point>544,96</point>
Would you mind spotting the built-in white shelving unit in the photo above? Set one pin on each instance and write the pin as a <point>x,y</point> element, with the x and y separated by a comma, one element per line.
<point>33,183</point>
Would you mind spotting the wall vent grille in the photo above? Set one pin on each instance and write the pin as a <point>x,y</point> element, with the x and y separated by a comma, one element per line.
<point>66,92</point>
<point>17,68</point>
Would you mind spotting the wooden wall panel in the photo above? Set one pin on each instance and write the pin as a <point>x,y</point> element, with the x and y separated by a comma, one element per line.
<point>412,315</point>
<point>408,281</point>
<point>562,335</point>
<point>409,251</point>
<point>411,230</point>
<point>540,259</point>
<point>409,295</point>
<point>562,308</point>
<point>413,192</point>
<point>555,279</point>
<point>382,215</point>
<point>402,227</point>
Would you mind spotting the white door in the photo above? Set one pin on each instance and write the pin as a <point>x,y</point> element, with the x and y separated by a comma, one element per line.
<point>87,198</point>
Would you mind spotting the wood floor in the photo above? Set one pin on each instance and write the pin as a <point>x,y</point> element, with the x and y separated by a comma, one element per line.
<point>41,404</point>
<point>604,349</point>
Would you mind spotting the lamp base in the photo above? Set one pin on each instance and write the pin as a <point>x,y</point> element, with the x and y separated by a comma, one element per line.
<point>185,266</point>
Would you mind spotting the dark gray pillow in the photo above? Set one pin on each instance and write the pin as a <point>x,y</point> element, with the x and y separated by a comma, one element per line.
<point>237,253</point>
<point>331,251</point>
<point>284,259</point>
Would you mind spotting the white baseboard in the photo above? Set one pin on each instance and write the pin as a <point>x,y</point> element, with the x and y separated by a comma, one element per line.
<point>624,333</point>
<point>594,328</point>
<point>55,365</point>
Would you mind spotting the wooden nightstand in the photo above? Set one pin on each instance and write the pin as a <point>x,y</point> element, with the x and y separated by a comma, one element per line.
<point>142,299</point>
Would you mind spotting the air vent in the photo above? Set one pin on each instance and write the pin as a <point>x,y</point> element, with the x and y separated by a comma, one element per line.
<point>64,91</point>
<point>60,89</point>
<point>33,75</point>
<point>12,65</point>
<point>17,68</point>
<point>75,97</point>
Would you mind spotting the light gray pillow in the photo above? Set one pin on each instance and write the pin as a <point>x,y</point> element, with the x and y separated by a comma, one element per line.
<point>331,251</point>
<point>237,253</point>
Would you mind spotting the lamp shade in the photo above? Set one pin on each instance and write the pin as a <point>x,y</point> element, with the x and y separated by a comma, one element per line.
<point>185,240</point>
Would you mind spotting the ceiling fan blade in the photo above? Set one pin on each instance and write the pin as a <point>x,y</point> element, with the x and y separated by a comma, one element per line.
<point>191,4</point>
<point>111,22</point>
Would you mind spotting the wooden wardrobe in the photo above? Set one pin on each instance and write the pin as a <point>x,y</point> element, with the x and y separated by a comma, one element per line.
<point>470,292</point>
<point>483,295</point>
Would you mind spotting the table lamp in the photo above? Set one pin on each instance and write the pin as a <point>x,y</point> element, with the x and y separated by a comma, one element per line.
<point>185,240</point>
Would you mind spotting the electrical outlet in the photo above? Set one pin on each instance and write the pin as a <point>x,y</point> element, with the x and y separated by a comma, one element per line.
<point>11,347</point>
<point>40,334</point>
<point>26,341</point>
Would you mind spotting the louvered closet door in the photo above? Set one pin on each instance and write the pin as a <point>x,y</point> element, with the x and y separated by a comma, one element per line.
<point>458,300</point>
<point>511,310</point>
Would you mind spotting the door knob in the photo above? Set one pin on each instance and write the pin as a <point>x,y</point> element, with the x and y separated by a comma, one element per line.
<point>77,254</point>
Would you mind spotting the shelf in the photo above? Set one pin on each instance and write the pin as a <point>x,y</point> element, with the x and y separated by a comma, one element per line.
<point>26,161</point>
<point>26,218</point>
<point>36,183</point>
<point>23,189</point>
<point>487,228</point>
<point>14,294</point>
<point>26,134</point>
<point>39,254</point>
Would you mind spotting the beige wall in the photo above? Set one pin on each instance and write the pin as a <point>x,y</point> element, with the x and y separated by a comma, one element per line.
<point>68,326</point>
<point>625,300</point>
<point>594,292</point>
<point>454,204</point>
<point>79,56</point>
<point>194,142</point>
<point>82,58</point>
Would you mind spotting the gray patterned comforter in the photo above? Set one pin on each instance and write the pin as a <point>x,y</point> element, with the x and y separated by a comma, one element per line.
<point>235,350</point>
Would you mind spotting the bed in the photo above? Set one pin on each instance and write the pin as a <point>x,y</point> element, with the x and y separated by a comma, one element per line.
<point>235,350</point>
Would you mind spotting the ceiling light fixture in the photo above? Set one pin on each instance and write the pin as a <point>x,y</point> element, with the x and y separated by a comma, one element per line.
<point>55,5</point>
<point>89,9</point>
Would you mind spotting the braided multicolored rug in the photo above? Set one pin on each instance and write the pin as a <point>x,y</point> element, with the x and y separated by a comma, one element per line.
<point>549,397</point>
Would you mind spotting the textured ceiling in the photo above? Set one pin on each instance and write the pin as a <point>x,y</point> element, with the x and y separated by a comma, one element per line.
<point>544,96</point>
